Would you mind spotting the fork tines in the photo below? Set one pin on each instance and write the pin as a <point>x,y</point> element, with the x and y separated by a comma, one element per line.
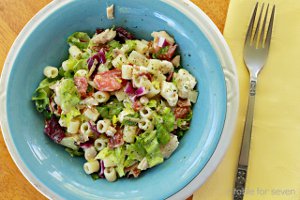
<point>259,40</point>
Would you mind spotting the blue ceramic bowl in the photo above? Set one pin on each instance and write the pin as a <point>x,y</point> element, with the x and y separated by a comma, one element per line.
<point>43,42</point>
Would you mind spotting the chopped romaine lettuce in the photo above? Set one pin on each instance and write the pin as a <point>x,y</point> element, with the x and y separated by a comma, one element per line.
<point>149,142</point>
<point>114,44</point>
<point>152,103</point>
<point>74,153</point>
<point>81,64</point>
<point>109,110</point>
<point>128,119</point>
<point>70,115</point>
<point>116,156</point>
<point>162,51</point>
<point>79,39</point>
<point>146,145</point>
<point>164,124</point>
<point>41,100</point>
<point>95,176</point>
<point>68,95</point>
<point>42,94</point>
<point>131,45</point>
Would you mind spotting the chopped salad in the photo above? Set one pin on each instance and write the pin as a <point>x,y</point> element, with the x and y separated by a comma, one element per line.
<point>120,102</point>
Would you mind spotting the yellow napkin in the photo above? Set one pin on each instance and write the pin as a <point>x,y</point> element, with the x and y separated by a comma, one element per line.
<point>274,166</point>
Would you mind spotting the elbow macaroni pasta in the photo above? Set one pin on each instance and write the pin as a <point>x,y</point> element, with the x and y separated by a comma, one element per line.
<point>50,72</point>
<point>146,112</point>
<point>85,129</point>
<point>110,174</point>
<point>91,166</point>
<point>100,143</point>
<point>145,124</point>
<point>103,125</point>
<point>73,126</point>
<point>90,153</point>
<point>101,97</point>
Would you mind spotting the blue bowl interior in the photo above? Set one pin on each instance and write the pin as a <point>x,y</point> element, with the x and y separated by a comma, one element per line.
<point>46,45</point>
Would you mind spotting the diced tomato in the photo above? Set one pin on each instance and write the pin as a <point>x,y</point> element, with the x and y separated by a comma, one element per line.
<point>181,112</point>
<point>81,85</point>
<point>116,140</point>
<point>109,81</point>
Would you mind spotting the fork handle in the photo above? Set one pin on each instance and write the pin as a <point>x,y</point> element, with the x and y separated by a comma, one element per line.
<point>241,175</point>
<point>244,154</point>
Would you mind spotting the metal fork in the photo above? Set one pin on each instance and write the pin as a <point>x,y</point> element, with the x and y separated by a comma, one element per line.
<point>256,51</point>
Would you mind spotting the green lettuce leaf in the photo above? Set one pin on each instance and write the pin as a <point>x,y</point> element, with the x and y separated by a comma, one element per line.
<point>131,44</point>
<point>68,94</point>
<point>81,64</point>
<point>165,124</point>
<point>95,176</point>
<point>168,119</point>
<point>114,44</point>
<point>146,145</point>
<point>70,115</point>
<point>135,152</point>
<point>42,94</point>
<point>150,143</point>
<point>79,39</point>
<point>162,51</point>
<point>152,103</point>
<point>74,153</point>
<point>163,135</point>
<point>120,157</point>
<point>41,100</point>
<point>117,156</point>
<point>128,119</point>
<point>72,66</point>
<point>109,110</point>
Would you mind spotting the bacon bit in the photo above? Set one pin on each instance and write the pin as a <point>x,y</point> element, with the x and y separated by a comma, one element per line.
<point>147,75</point>
<point>181,112</point>
<point>81,85</point>
<point>123,35</point>
<point>169,55</point>
<point>139,131</point>
<point>183,103</point>
<point>59,110</point>
<point>101,46</point>
<point>133,170</point>
<point>169,78</point>
<point>137,106</point>
<point>116,140</point>
<point>99,30</point>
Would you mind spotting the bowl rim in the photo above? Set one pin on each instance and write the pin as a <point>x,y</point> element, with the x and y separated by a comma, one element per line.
<point>214,36</point>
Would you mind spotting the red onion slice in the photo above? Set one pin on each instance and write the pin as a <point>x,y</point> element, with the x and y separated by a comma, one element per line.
<point>162,42</point>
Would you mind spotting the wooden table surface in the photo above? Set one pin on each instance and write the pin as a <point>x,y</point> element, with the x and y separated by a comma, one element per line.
<point>13,17</point>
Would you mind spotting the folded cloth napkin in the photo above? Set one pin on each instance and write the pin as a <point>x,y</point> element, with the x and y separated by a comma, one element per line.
<point>274,165</point>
